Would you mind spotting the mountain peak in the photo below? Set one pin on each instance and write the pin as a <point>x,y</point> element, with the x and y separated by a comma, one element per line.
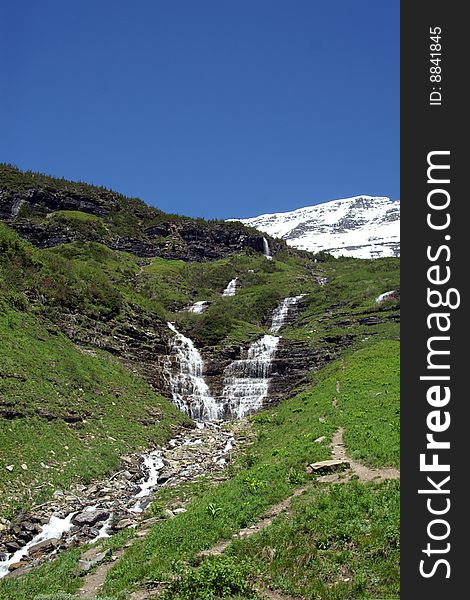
<point>360,226</point>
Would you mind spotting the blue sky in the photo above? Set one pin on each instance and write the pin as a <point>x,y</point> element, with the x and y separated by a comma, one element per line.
<point>214,108</point>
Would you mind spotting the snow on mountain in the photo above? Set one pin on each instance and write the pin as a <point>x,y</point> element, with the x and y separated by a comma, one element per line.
<point>363,227</point>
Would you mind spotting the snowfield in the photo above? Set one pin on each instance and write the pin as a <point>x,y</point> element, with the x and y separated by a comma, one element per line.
<point>362,226</point>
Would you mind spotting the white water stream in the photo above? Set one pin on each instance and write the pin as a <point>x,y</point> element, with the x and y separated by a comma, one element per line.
<point>54,529</point>
<point>190,392</point>
<point>154,463</point>
<point>280,314</point>
<point>246,385</point>
<point>246,381</point>
<point>266,249</point>
<point>231,288</point>
<point>198,307</point>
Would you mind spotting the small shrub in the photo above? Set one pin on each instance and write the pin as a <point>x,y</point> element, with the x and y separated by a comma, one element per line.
<point>218,577</point>
<point>254,485</point>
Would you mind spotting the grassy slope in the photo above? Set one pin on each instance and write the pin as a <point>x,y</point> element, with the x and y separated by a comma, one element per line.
<point>341,541</point>
<point>274,466</point>
<point>349,532</point>
<point>45,378</point>
<point>102,283</point>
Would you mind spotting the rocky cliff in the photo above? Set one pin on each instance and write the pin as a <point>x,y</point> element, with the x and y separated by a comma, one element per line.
<point>49,212</point>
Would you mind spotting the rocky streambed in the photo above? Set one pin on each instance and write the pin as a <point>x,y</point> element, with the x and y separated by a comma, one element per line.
<point>86,513</point>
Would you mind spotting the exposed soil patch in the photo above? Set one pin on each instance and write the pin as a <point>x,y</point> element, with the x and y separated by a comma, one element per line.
<point>361,471</point>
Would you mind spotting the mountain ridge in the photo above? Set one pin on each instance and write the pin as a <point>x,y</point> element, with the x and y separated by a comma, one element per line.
<point>360,226</point>
<point>48,212</point>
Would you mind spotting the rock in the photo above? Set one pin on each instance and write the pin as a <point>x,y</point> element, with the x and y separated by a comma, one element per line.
<point>90,517</point>
<point>320,439</point>
<point>10,467</point>
<point>164,477</point>
<point>3,556</point>
<point>29,526</point>
<point>44,547</point>
<point>123,523</point>
<point>12,546</point>
<point>91,559</point>
<point>327,466</point>
<point>151,522</point>
<point>168,514</point>
<point>17,565</point>
<point>178,511</point>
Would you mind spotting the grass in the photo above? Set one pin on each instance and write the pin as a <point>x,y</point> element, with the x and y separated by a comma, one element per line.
<point>340,542</point>
<point>49,578</point>
<point>71,417</point>
<point>266,473</point>
<point>335,533</point>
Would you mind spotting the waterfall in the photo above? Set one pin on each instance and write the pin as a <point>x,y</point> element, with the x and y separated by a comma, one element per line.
<point>231,288</point>
<point>246,381</point>
<point>199,307</point>
<point>281,312</point>
<point>266,250</point>
<point>386,296</point>
<point>189,390</point>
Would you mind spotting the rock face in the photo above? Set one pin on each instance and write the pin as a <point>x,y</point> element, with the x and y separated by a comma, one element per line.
<point>123,224</point>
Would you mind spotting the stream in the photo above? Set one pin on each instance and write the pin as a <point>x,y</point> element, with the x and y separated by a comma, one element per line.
<point>86,514</point>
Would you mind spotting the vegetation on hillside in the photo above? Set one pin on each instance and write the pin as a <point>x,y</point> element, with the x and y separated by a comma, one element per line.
<point>71,410</point>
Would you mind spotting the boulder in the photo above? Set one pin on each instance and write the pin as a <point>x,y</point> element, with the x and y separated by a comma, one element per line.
<point>44,547</point>
<point>327,466</point>
<point>91,558</point>
<point>90,517</point>
<point>17,565</point>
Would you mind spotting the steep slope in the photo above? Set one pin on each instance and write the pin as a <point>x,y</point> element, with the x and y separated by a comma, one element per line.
<point>363,227</point>
<point>99,344</point>
<point>48,211</point>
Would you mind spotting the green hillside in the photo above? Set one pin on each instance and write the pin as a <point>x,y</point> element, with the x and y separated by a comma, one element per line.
<point>82,327</point>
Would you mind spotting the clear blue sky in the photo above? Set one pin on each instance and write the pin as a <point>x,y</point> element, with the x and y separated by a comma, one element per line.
<point>214,108</point>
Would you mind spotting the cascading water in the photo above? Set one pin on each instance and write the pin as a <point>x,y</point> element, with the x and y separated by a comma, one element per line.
<point>190,392</point>
<point>231,288</point>
<point>199,307</point>
<point>281,312</point>
<point>266,250</point>
<point>246,381</point>
<point>154,464</point>
<point>54,529</point>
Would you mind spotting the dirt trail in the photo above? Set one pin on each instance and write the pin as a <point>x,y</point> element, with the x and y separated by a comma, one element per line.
<point>363,473</point>
<point>94,581</point>
<point>265,521</point>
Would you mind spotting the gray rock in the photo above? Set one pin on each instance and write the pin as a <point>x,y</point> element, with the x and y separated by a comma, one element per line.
<point>88,562</point>
<point>328,466</point>
<point>123,523</point>
<point>12,546</point>
<point>44,547</point>
<point>90,517</point>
